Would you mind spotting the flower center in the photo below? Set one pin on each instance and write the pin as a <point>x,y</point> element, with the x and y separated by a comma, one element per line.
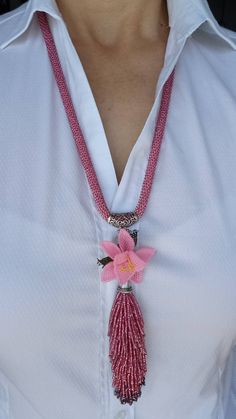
<point>128,266</point>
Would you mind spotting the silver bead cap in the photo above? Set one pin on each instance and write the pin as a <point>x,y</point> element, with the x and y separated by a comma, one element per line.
<point>125,290</point>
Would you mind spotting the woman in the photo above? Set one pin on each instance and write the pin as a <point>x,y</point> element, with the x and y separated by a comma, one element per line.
<point>121,61</point>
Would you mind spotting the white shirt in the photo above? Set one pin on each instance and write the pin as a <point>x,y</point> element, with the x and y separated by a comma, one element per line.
<point>54,308</point>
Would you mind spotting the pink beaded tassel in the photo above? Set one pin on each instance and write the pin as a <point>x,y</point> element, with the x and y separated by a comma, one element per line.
<point>127,350</point>
<point>127,346</point>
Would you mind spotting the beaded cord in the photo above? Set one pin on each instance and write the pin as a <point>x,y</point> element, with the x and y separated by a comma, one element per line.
<point>127,350</point>
<point>78,135</point>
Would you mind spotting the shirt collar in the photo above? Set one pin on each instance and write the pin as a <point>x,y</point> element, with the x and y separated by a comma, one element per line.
<point>185,16</point>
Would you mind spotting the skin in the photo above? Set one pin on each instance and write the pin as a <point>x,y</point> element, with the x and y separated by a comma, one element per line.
<point>121,46</point>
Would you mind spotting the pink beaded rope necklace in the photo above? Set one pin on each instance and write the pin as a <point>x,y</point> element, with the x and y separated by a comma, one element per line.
<point>127,351</point>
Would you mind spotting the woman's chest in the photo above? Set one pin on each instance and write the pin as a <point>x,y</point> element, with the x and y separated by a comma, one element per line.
<point>123,88</point>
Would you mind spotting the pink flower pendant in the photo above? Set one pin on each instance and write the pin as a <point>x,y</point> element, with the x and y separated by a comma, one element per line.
<point>127,349</point>
<point>127,264</point>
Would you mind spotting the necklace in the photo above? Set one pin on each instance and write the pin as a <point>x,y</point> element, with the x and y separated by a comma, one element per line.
<point>127,351</point>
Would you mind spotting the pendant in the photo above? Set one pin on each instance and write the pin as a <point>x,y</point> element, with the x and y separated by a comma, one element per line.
<point>127,350</point>
<point>107,259</point>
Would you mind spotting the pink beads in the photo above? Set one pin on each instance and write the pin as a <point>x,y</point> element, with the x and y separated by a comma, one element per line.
<point>127,347</point>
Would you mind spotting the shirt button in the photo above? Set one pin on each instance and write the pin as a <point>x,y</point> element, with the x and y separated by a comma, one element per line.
<point>120,415</point>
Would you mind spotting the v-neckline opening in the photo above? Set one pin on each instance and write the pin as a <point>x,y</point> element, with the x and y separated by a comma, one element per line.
<point>120,186</point>
<point>100,121</point>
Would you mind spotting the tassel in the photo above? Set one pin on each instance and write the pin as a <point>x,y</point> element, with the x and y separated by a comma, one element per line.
<point>127,350</point>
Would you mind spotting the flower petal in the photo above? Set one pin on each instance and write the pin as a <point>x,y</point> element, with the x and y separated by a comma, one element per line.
<point>145,253</point>
<point>137,277</point>
<point>111,248</point>
<point>108,272</point>
<point>137,261</point>
<point>121,258</point>
<point>122,276</point>
<point>126,242</point>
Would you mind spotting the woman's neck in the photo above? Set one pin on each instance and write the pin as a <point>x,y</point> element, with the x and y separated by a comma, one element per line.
<point>112,23</point>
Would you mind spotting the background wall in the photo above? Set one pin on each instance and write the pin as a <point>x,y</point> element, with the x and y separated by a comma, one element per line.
<point>224,10</point>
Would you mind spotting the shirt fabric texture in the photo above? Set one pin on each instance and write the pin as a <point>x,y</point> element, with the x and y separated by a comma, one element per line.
<point>54,308</point>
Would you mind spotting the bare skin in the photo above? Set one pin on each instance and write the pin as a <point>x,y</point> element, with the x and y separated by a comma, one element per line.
<point>121,46</point>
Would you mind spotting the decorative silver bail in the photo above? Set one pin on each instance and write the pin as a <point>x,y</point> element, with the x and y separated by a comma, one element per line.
<point>122,220</point>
